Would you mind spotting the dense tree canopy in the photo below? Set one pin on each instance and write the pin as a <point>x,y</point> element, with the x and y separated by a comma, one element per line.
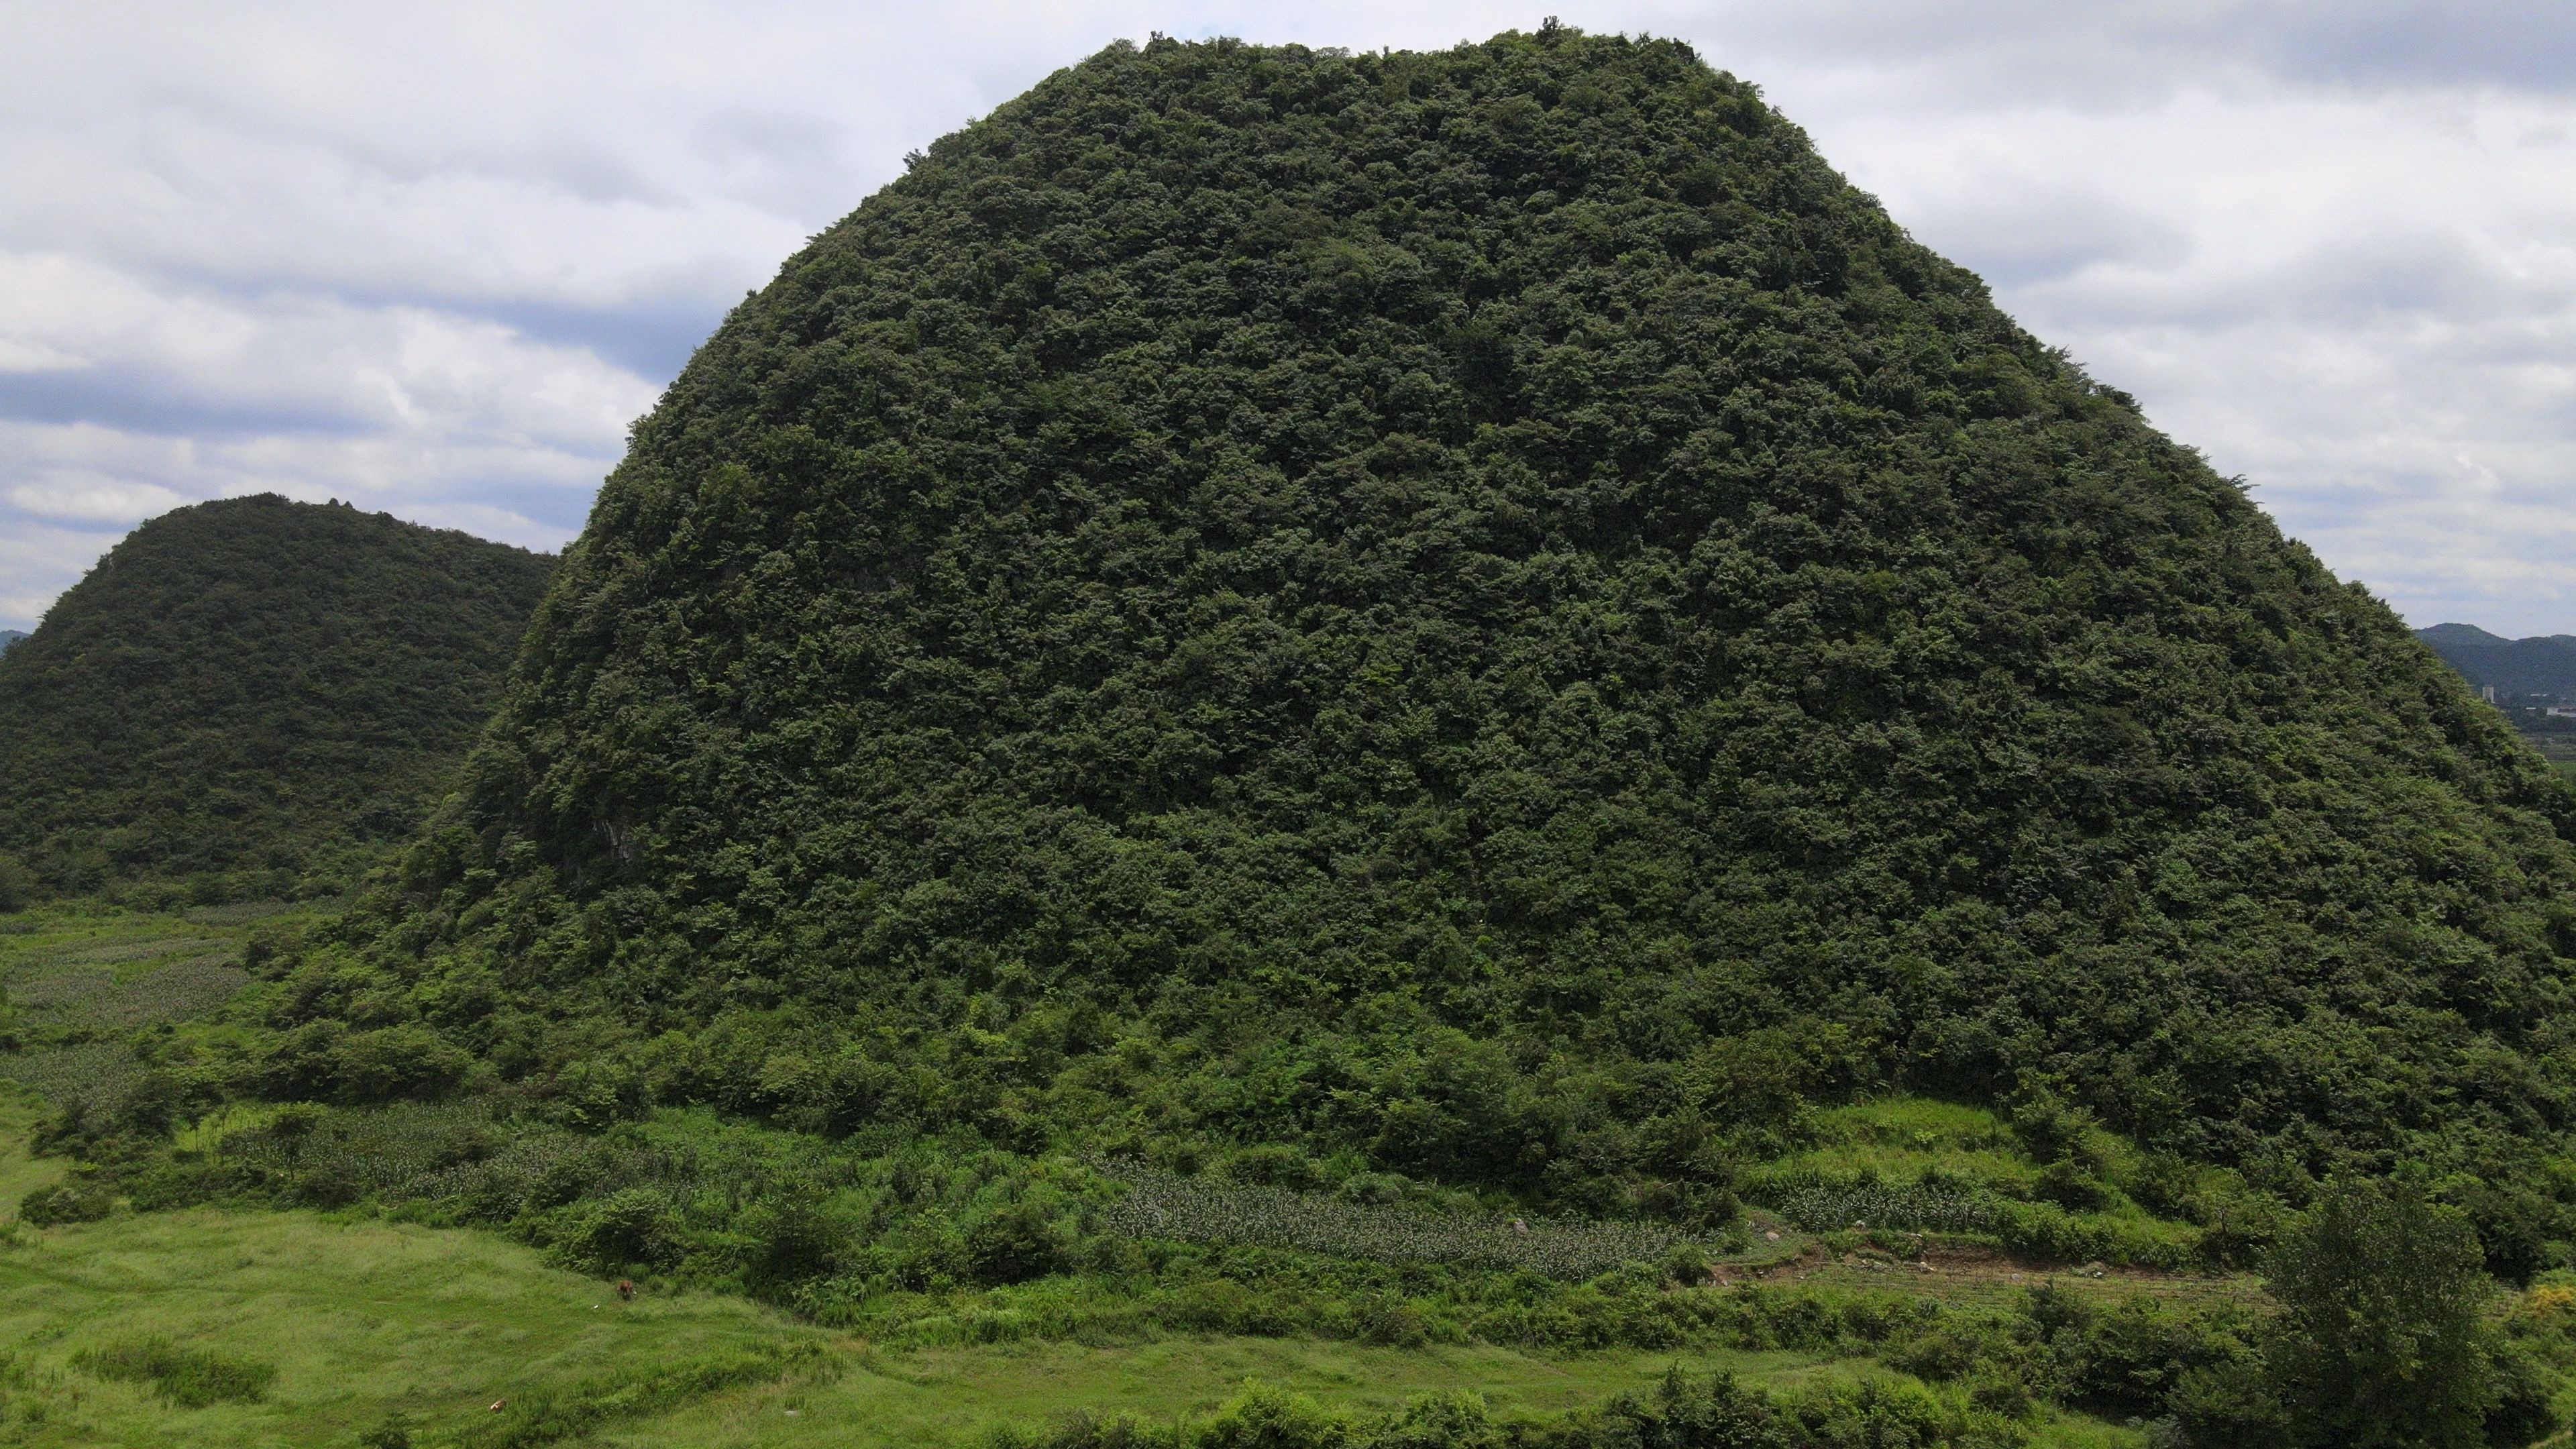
<point>1488,608</point>
<point>246,691</point>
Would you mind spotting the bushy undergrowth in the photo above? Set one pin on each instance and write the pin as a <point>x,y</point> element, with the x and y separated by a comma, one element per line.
<point>77,1201</point>
<point>946,1242</point>
<point>1682,1413</point>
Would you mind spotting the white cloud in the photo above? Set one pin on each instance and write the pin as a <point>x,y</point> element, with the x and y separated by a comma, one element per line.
<point>435,258</point>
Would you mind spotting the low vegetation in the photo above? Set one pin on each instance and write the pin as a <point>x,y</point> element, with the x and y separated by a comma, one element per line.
<point>188,1378</point>
<point>376,1329</point>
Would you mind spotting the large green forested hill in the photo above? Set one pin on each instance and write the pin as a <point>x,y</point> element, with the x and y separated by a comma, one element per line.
<point>1484,609</point>
<point>246,691</point>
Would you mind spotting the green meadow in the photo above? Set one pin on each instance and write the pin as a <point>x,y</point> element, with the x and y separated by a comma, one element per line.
<point>238,1326</point>
<point>367,1322</point>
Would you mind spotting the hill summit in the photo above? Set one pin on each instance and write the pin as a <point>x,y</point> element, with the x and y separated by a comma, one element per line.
<point>247,691</point>
<point>1484,609</point>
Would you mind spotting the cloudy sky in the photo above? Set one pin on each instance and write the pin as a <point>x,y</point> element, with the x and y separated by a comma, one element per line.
<point>433,258</point>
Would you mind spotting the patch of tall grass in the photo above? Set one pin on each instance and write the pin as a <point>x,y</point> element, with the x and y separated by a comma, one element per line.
<point>185,1377</point>
<point>554,1415</point>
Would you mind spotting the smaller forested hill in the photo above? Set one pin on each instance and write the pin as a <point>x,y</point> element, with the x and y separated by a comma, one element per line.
<point>249,691</point>
<point>2513,667</point>
<point>9,637</point>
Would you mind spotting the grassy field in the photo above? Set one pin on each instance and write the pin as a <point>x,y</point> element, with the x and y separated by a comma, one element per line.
<point>330,1327</point>
<point>361,1319</point>
<point>20,1173</point>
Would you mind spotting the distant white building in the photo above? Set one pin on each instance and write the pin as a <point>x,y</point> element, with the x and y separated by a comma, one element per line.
<point>2562,711</point>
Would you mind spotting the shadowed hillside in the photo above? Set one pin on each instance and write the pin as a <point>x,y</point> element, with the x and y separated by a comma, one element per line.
<point>247,691</point>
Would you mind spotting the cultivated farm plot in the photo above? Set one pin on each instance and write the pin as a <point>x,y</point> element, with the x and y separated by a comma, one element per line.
<point>1161,1205</point>
<point>1977,1278</point>
<point>98,973</point>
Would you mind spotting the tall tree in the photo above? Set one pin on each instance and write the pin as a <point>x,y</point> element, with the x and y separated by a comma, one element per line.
<point>2381,1337</point>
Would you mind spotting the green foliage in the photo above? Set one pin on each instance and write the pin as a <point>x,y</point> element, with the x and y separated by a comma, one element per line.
<point>1014,1244</point>
<point>1482,614</point>
<point>2382,1339</point>
<point>552,1416</point>
<point>67,1202</point>
<point>249,696</point>
<point>1396,643</point>
<point>2522,1408</point>
<point>1682,1413</point>
<point>189,1378</point>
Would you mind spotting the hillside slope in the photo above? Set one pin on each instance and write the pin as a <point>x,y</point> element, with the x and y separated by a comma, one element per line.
<point>248,690</point>
<point>1483,610</point>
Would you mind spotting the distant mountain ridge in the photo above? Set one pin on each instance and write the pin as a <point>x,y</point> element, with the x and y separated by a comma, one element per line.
<point>2543,664</point>
<point>245,693</point>
<point>9,637</point>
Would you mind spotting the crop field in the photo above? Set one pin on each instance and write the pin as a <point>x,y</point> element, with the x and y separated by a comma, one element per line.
<point>81,976</point>
<point>1161,1205</point>
<point>1976,1279</point>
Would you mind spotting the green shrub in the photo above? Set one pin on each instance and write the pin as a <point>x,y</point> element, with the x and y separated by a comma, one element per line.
<point>67,1202</point>
<point>793,1241</point>
<point>629,1229</point>
<point>2522,1407</point>
<point>2224,1406</point>
<point>1014,1244</point>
